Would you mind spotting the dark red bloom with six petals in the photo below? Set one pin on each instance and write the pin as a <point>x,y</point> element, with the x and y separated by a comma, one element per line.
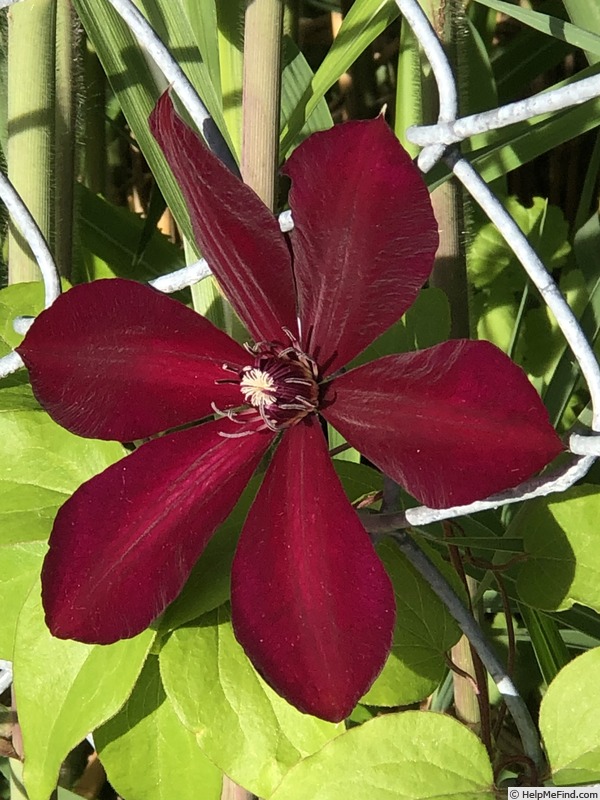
<point>311,603</point>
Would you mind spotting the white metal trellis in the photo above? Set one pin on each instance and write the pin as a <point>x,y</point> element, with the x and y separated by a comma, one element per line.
<point>435,140</point>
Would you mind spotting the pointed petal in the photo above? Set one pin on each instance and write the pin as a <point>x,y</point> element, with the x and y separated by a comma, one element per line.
<point>452,424</point>
<point>311,603</point>
<point>236,232</point>
<point>118,360</point>
<point>124,544</point>
<point>364,237</point>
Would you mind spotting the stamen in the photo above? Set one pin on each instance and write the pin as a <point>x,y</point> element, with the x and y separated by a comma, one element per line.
<point>233,413</point>
<point>307,403</point>
<point>218,411</point>
<point>291,337</point>
<point>270,424</point>
<point>246,432</point>
<point>301,381</point>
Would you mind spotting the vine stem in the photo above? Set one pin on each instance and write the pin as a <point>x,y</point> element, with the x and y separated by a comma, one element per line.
<point>514,702</point>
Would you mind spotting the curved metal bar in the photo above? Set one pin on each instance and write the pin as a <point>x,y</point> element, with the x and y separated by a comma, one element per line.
<point>182,278</point>
<point>23,219</point>
<point>10,363</point>
<point>514,702</point>
<point>447,92</point>
<point>557,481</point>
<point>454,131</point>
<point>157,50</point>
<point>539,275</point>
<point>21,216</point>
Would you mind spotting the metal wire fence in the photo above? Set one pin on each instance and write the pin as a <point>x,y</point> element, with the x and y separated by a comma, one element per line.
<point>439,143</point>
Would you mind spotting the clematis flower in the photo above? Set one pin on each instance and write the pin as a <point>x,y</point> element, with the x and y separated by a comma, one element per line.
<point>311,603</point>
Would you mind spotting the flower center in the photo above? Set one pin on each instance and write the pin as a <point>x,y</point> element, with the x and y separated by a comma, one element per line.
<point>258,387</point>
<point>279,386</point>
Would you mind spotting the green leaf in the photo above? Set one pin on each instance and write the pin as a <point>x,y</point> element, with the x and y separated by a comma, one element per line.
<point>424,632</point>
<point>207,588</point>
<point>582,619</point>
<point>242,725</point>
<point>545,228</point>
<point>295,79</point>
<point>409,72</point>
<point>427,322</point>
<point>562,383</point>
<point>147,752</point>
<point>410,756</point>
<point>549,648</point>
<point>230,20</point>
<point>586,16</point>
<point>543,343</point>
<point>171,22</point>
<point>496,314</point>
<point>65,794</point>
<point>202,19</point>
<point>363,23</point>
<point>560,534</point>
<point>496,272</point>
<point>570,723</point>
<point>358,480</point>
<point>20,299</point>
<point>43,464</point>
<point>552,26</point>
<point>21,564</point>
<point>111,237</point>
<point>136,89</point>
<point>334,440</point>
<point>65,690</point>
<point>525,56</point>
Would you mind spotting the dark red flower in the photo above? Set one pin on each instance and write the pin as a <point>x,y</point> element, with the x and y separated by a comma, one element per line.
<point>312,605</point>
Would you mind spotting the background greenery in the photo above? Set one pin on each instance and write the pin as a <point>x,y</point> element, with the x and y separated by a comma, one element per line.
<point>75,94</point>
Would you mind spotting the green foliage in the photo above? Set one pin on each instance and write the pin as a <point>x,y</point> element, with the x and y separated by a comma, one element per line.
<point>362,24</point>
<point>65,690</point>
<point>552,26</point>
<point>43,465</point>
<point>560,535</point>
<point>570,724</point>
<point>175,708</point>
<point>207,588</point>
<point>566,375</point>
<point>111,237</point>
<point>427,322</point>
<point>241,724</point>
<point>148,754</point>
<point>424,632</point>
<point>503,311</point>
<point>393,757</point>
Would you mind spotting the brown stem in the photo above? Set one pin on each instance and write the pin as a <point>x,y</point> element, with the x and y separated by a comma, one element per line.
<point>261,96</point>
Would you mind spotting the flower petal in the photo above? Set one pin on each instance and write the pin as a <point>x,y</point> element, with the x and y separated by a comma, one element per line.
<point>311,602</point>
<point>452,424</point>
<point>124,544</point>
<point>236,232</point>
<point>115,359</point>
<point>364,237</point>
